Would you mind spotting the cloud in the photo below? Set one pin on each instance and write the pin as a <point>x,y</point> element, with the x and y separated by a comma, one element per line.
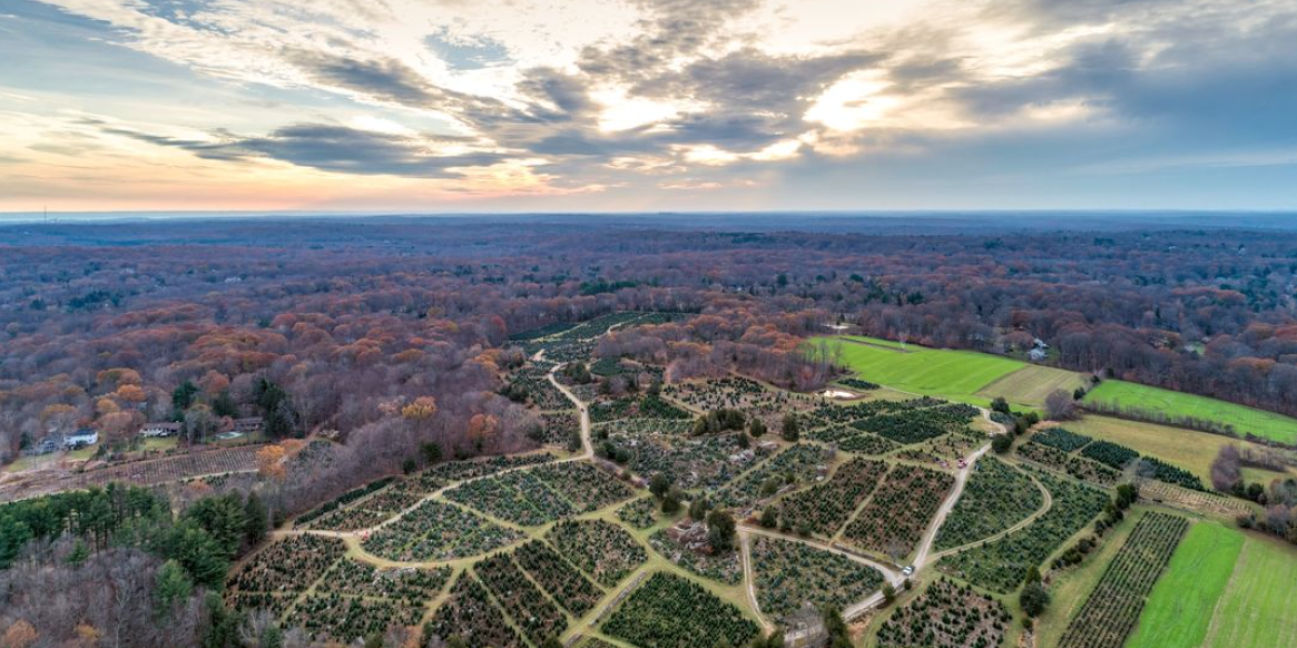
<point>386,79</point>
<point>347,150</point>
<point>625,95</point>
<point>338,149</point>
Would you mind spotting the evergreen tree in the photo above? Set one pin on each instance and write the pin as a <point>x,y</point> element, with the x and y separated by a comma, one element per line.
<point>171,587</point>
<point>196,551</point>
<point>256,520</point>
<point>14,534</point>
<point>79,555</point>
<point>222,624</point>
<point>224,518</point>
<point>720,531</point>
<point>273,637</point>
<point>698,508</point>
<point>223,405</point>
<point>1034,599</point>
<point>792,430</point>
<point>671,501</point>
<point>182,397</point>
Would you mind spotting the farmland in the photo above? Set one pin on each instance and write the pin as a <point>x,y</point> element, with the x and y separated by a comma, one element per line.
<point>790,574</point>
<point>672,612</point>
<point>1186,448</point>
<point>1031,384</point>
<point>514,551</point>
<point>1001,565</point>
<point>1100,461</point>
<point>954,375</point>
<point>996,497</point>
<point>1110,612</point>
<point>1222,589</point>
<point>916,491</point>
<point>824,508</point>
<point>1145,401</point>
<point>604,551</point>
<point>946,615</point>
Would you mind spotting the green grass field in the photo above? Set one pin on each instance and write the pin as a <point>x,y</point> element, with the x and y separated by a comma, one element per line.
<point>1257,608</point>
<point>1223,589</point>
<point>954,375</point>
<point>1179,611</point>
<point>1152,399</point>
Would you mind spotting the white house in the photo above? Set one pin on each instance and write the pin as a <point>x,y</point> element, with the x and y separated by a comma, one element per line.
<point>80,439</point>
<point>162,429</point>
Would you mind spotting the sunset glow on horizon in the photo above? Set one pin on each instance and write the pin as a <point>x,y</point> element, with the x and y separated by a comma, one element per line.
<point>427,106</point>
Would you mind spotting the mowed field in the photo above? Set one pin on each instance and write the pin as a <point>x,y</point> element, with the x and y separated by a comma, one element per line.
<point>1152,399</point>
<point>1223,589</point>
<point>1031,384</point>
<point>956,375</point>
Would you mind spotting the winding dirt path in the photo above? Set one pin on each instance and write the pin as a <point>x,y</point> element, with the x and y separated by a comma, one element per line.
<point>749,582</point>
<point>930,536</point>
<point>586,443</point>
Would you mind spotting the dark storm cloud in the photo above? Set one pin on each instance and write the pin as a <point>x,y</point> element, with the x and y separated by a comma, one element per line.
<point>329,148</point>
<point>336,148</point>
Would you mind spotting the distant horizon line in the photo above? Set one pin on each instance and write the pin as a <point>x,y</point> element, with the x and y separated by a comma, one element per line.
<point>54,217</point>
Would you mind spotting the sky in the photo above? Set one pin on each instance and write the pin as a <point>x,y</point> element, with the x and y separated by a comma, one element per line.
<point>426,106</point>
